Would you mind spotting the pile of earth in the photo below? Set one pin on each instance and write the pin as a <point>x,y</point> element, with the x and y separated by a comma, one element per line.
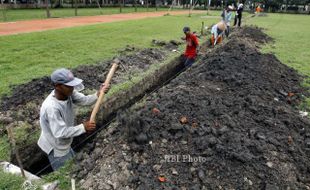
<point>228,122</point>
<point>252,33</point>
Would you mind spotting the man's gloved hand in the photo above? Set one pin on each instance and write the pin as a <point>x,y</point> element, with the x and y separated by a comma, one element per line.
<point>104,88</point>
<point>89,126</point>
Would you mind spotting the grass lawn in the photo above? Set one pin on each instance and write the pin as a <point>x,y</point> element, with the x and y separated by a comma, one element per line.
<point>292,40</point>
<point>27,56</point>
<point>28,14</point>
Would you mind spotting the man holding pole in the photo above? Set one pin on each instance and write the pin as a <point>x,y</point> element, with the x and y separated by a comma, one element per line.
<point>57,116</point>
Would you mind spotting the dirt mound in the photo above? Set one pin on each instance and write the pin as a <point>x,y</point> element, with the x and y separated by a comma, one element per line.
<point>252,33</point>
<point>226,123</point>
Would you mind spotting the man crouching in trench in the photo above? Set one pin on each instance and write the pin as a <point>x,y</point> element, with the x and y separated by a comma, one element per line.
<point>57,117</point>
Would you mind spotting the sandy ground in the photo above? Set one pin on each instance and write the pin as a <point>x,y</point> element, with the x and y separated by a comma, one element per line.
<point>18,27</point>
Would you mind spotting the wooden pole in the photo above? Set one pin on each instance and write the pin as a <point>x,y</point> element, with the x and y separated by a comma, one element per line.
<point>202,28</point>
<point>73,184</point>
<point>101,96</point>
<point>15,151</point>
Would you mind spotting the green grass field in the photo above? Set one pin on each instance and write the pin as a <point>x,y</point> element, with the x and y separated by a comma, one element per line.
<point>28,14</point>
<point>292,41</point>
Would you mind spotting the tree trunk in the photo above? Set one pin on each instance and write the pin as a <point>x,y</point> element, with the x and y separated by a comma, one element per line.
<point>190,9</point>
<point>3,11</point>
<point>99,6</point>
<point>120,6</point>
<point>75,8</point>
<point>135,5</point>
<point>48,14</point>
<point>209,4</point>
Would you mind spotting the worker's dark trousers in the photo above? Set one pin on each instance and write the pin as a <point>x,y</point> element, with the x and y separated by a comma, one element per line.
<point>187,61</point>
<point>227,31</point>
<point>238,19</point>
<point>57,162</point>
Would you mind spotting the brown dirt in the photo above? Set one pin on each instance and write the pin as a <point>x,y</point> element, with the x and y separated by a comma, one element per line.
<point>18,27</point>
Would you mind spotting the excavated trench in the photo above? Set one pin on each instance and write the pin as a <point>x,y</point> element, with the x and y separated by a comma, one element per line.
<point>34,160</point>
<point>110,108</point>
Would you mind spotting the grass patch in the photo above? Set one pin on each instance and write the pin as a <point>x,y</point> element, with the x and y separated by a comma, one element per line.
<point>27,56</point>
<point>4,148</point>
<point>62,175</point>
<point>30,14</point>
<point>292,44</point>
<point>10,181</point>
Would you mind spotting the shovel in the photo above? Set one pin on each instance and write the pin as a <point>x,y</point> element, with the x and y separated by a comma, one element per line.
<point>101,95</point>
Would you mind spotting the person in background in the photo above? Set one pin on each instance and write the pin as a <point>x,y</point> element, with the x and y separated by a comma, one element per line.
<point>238,16</point>
<point>192,46</point>
<point>227,19</point>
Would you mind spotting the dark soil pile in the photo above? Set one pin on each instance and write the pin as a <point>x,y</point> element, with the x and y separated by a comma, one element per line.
<point>252,34</point>
<point>228,122</point>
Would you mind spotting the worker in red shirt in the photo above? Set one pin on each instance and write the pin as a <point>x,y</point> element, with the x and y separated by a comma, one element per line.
<point>192,45</point>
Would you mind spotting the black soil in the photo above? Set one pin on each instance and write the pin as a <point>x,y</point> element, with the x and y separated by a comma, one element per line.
<point>240,129</point>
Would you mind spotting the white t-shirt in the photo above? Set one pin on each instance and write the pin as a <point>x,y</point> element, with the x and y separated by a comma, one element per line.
<point>57,122</point>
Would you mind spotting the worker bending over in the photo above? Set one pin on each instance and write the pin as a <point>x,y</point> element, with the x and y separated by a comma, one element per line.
<point>217,31</point>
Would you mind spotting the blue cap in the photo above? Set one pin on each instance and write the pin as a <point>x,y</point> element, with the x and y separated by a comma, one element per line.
<point>186,29</point>
<point>66,77</point>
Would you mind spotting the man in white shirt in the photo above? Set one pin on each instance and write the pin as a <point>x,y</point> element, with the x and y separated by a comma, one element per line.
<point>57,117</point>
<point>227,19</point>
